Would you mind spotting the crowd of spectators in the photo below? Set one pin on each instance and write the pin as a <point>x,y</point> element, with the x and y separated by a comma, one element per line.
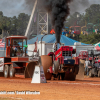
<point>66,32</point>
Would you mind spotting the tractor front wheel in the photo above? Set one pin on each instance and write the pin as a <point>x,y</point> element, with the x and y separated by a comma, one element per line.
<point>6,71</point>
<point>12,71</point>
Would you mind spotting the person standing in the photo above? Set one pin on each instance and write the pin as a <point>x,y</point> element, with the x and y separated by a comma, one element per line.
<point>67,33</point>
<point>64,32</point>
<point>87,62</point>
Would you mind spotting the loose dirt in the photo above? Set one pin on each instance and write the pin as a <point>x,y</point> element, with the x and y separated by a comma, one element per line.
<point>87,89</point>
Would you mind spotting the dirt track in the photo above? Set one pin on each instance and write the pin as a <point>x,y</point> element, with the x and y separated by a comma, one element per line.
<point>89,89</point>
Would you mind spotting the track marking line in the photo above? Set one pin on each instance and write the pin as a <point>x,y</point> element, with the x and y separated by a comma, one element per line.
<point>12,98</point>
<point>76,83</point>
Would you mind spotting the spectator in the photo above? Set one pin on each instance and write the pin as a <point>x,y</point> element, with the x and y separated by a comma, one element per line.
<point>67,33</point>
<point>64,32</point>
<point>87,62</point>
<point>83,32</point>
<point>72,32</point>
<point>98,58</point>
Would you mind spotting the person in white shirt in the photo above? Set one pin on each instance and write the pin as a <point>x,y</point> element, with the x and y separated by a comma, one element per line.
<point>87,62</point>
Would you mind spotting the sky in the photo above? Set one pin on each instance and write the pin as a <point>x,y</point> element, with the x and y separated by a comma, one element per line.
<point>81,5</point>
<point>12,8</point>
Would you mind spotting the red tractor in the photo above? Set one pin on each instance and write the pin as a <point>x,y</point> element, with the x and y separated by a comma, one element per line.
<point>64,65</point>
<point>76,29</point>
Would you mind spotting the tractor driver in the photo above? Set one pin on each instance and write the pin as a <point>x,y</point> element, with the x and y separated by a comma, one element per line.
<point>15,48</point>
<point>19,52</point>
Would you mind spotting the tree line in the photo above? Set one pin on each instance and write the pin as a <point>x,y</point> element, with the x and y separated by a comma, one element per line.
<point>91,18</point>
<point>88,21</point>
<point>14,25</point>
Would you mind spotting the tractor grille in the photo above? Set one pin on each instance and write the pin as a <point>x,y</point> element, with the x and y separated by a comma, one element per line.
<point>66,53</point>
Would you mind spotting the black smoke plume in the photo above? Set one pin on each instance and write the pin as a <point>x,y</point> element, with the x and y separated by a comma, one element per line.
<point>59,10</point>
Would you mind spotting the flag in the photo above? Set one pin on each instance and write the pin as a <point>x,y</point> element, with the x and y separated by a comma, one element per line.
<point>35,50</point>
<point>2,43</point>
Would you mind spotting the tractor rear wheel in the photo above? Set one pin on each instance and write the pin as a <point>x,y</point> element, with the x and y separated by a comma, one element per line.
<point>56,66</point>
<point>76,68</point>
<point>90,73</point>
<point>70,76</point>
<point>62,76</point>
<point>99,73</point>
<point>12,71</point>
<point>6,71</point>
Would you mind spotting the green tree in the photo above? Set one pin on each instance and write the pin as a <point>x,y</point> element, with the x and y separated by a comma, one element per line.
<point>13,26</point>
<point>93,15</point>
<point>90,39</point>
<point>22,23</point>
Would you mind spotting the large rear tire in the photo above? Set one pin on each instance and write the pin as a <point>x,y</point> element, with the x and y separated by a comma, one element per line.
<point>90,73</point>
<point>62,76</point>
<point>56,66</point>
<point>76,68</point>
<point>6,71</point>
<point>99,73</point>
<point>70,76</point>
<point>11,71</point>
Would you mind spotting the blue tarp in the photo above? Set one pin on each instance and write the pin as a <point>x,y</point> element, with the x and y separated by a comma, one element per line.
<point>52,39</point>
